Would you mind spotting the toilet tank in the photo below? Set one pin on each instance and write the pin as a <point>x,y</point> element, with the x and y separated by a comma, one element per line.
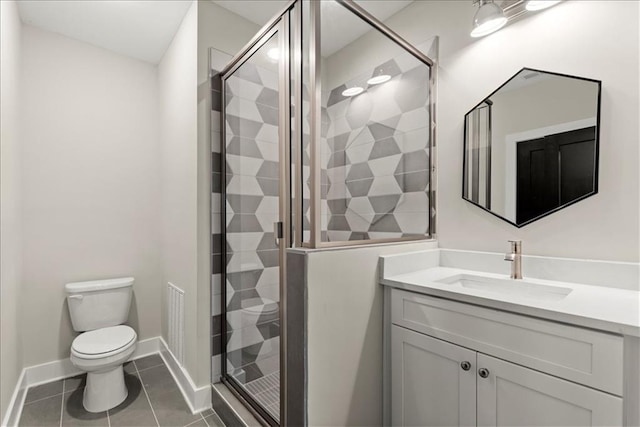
<point>99,303</point>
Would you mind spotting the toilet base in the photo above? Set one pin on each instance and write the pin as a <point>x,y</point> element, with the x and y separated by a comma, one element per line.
<point>104,390</point>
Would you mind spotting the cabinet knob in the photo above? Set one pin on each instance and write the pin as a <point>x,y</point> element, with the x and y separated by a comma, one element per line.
<point>465,365</point>
<point>483,372</point>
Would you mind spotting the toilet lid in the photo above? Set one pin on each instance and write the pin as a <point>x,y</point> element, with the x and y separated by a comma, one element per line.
<point>104,340</point>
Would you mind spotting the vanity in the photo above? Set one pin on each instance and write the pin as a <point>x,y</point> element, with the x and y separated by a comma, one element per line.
<point>466,345</point>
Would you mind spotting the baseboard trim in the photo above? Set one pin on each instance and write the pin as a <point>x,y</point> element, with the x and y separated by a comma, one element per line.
<point>198,398</point>
<point>58,369</point>
<point>14,410</point>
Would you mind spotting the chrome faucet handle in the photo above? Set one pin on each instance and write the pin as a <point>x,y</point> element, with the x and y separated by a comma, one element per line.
<point>515,256</point>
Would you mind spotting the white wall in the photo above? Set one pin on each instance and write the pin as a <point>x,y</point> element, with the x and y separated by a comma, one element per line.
<point>595,39</point>
<point>344,334</point>
<point>177,83</point>
<point>90,173</point>
<point>186,168</point>
<point>10,208</point>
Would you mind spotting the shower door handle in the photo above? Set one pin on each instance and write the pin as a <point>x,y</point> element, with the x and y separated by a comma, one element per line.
<point>277,232</point>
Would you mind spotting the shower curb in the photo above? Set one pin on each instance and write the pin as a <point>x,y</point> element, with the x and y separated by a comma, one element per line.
<point>230,410</point>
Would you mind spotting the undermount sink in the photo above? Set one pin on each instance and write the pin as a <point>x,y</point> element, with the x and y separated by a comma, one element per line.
<point>520,288</point>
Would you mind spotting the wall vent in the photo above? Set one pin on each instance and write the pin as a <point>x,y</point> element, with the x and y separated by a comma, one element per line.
<point>175,316</point>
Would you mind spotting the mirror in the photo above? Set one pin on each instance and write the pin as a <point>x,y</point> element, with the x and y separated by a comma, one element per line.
<point>531,147</point>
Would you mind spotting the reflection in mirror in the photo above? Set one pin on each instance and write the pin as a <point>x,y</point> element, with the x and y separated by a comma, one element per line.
<point>531,147</point>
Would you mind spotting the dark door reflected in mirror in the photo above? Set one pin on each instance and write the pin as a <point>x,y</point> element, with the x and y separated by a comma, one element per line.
<point>531,147</point>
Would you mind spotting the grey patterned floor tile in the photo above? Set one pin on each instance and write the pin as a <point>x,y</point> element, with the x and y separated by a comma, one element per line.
<point>214,420</point>
<point>207,413</point>
<point>44,412</point>
<point>166,399</point>
<point>44,390</point>
<point>135,410</point>
<point>198,423</point>
<point>130,368</point>
<point>149,362</point>
<point>74,383</point>
<point>157,378</point>
<point>74,413</point>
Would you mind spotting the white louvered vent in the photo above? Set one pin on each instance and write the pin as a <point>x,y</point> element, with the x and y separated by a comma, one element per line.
<point>175,308</point>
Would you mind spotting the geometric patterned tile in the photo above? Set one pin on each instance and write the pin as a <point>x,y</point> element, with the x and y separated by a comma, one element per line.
<point>384,185</point>
<point>413,181</point>
<point>248,72</point>
<point>269,187</point>
<point>413,162</point>
<point>359,171</point>
<point>409,97</point>
<point>384,204</point>
<point>268,114</point>
<point>359,111</point>
<point>384,148</point>
<point>360,187</point>
<point>386,223</point>
<point>268,97</point>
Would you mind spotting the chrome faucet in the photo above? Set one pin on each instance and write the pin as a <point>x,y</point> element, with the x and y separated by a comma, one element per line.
<point>516,258</point>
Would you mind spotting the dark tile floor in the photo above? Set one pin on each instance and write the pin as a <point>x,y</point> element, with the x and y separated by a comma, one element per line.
<point>154,400</point>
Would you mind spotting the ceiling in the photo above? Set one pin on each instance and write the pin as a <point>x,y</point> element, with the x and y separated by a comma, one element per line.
<point>337,32</point>
<point>143,29</point>
<point>135,28</point>
<point>257,11</point>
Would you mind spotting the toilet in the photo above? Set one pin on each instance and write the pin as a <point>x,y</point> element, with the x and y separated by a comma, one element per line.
<point>98,309</point>
<point>253,310</point>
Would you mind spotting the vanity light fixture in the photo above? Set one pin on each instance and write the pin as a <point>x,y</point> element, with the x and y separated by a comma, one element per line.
<point>489,18</point>
<point>352,91</point>
<point>534,5</point>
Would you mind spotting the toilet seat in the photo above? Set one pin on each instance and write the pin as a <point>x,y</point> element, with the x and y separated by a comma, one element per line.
<point>104,342</point>
<point>258,306</point>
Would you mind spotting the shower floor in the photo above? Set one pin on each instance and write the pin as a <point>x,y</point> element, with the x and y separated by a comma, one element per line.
<point>266,390</point>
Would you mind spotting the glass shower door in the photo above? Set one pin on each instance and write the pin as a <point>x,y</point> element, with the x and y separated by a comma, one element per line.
<point>253,154</point>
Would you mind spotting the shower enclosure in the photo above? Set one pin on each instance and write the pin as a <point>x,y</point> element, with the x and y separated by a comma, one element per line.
<point>327,140</point>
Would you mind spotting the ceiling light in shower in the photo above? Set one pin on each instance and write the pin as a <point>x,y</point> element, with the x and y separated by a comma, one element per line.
<point>533,5</point>
<point>489,18</point>
<point>352,91</point>
<point>376,80</point>
<point>273,53</point>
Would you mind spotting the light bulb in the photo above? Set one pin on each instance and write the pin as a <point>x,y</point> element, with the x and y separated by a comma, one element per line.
<point>488,18</point>
<point>353,91</point>
<point>379,79</point>
<point>273,53</point>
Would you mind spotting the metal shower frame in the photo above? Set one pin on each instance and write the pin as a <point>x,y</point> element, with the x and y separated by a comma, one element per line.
<point>288,23</point>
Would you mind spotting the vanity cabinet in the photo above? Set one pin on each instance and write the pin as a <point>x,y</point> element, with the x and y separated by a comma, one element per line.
<point>453,364</point>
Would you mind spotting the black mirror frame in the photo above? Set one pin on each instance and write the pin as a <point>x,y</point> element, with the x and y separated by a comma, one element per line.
<point>597,147</point>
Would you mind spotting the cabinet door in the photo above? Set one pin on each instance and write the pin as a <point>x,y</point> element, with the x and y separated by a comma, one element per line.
<point>512,395</point>
<point>429,386</point>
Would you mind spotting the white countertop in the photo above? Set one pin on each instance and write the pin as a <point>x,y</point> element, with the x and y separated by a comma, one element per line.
<point>604,308</point>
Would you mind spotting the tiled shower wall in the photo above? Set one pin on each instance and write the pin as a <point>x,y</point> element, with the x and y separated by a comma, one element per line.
<point>376,155</point>
<point>252,206</point>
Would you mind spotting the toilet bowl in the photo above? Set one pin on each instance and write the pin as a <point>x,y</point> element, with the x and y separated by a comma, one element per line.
<point>101,353</point>
<point>256,311</point>
<point>98,309</point>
